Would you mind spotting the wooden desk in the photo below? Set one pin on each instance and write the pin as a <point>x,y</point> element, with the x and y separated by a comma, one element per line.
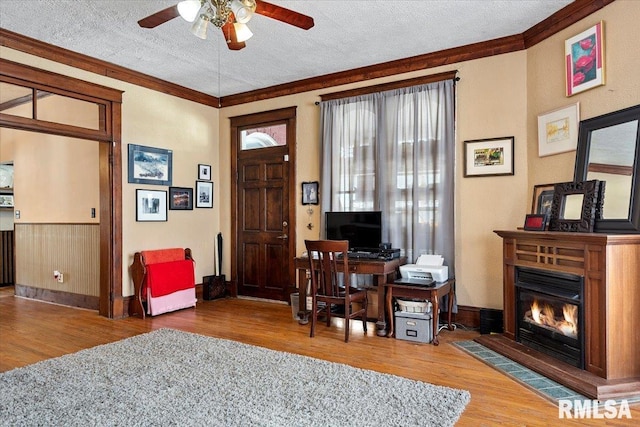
<point>432,294</point>
<point>382,271</point>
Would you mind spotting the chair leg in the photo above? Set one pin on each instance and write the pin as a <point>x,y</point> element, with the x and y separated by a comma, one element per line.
<point>328,311</point>
<point>346,326</point>
<point>364,316</point>
<point>314,318</point>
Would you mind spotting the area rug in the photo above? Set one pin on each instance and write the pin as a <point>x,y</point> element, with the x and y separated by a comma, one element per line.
<point>169,377</point>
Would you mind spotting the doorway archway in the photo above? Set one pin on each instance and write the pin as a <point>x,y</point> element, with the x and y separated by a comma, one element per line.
<point>108,134</point>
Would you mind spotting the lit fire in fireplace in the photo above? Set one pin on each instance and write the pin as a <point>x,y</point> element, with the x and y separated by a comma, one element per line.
<point>544,315</point>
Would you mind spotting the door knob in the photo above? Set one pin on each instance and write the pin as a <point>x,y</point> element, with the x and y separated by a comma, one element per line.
<point>284,236</point>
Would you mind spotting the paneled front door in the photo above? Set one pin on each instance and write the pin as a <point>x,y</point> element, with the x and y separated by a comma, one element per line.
<point>264,201</point>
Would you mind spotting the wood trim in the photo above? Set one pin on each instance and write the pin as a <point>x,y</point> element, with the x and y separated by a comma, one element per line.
<point>467,316</point>
<point>449,75</point>
<point>110,300</point>
<point>386,69</point>
<point>56,83</point>
<point>611,169</point>
<point>23,100</point>
<point>84,62</point>
<point>16,122</point>
<point>560,20</point>
<point>58,297</point>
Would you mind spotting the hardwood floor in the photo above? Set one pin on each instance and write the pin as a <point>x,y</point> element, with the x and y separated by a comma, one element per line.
<point>31,331</point>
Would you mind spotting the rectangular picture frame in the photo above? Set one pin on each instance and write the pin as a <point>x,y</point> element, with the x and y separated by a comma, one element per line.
<point>204,194</point>
<point>542,199</point>
<point>149,165</point>
<point>310,193</point>
<point>584,60</point>
<point>558,130</point>
<point>180,198</point>
<point>204,172</point>
<point>489,157</point>
<point>536,222</point>
<point>151,205</point>
<point>6,201</point>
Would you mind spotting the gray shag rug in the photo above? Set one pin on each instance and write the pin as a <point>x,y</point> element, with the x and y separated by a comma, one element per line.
<point>168,377</point>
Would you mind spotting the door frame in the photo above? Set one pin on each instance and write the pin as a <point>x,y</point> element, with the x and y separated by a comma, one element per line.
<point>266,118</point>
<point>111,301</point>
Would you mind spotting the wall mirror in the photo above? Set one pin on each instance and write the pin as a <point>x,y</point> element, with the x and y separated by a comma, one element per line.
<point>609,150</point>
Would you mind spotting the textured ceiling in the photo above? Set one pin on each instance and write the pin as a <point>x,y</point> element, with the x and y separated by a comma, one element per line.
<point>347,34</point>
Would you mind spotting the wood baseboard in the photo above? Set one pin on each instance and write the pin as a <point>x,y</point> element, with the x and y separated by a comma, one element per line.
<point>58,297</point>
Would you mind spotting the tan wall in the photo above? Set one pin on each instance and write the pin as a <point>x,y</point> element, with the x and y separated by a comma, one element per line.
<point>491,99</point>
<point>546,83</point>
<point>46,168</point>
<point>155,119</point>
<point>498,96</point>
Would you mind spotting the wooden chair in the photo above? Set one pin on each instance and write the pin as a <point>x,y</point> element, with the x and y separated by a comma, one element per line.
<point>324,258</point>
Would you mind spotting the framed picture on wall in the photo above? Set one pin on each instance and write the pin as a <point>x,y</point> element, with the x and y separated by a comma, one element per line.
<point>204,194</point>
<point>6,200</point>
<point>584,60</point>
<point>150,165</point>
<point>204,172</point>
<point>558,130</point>
<point>489,157</point>
<point>310,193</point>
<point>151,205</point>
<point>180,198</point>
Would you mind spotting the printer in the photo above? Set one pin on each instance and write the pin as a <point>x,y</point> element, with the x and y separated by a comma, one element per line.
<point>427,267</point>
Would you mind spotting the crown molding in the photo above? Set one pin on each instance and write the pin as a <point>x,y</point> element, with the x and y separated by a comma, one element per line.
<point>560,20</point>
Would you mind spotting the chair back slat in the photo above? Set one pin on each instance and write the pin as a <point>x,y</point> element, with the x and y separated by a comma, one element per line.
<point>324,256</point>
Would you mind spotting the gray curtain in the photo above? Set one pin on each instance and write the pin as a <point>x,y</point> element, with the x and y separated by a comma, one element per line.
<point>394,151</point>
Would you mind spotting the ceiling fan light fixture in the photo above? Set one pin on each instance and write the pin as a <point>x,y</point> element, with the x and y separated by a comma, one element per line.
<point>200,26</point>
<point>188,9</point>
<point>243,33</point>
<point>243,11</point>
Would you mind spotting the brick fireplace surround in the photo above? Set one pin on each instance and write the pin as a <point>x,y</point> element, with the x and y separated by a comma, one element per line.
<point>610,265</point>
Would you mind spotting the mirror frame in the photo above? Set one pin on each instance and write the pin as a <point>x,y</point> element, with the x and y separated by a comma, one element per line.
<point>590,190</point>
<point>632,223</point>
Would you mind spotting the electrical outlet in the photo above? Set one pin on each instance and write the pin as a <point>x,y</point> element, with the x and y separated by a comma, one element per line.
<point>58,276</point>
<point>17,213</point>
<point>93,212</point>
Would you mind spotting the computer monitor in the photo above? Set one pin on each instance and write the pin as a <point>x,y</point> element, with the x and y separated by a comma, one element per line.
<point>363,230</point>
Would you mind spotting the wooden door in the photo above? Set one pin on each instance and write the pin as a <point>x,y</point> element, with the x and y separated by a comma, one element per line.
<point>264,200</point>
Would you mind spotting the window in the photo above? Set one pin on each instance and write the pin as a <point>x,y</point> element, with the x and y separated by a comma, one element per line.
<point>394,151</point>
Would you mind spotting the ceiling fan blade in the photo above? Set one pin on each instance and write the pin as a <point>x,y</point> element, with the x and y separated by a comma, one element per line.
<point>229,33</point>
<point>158,18</point>
<point>284,15</point>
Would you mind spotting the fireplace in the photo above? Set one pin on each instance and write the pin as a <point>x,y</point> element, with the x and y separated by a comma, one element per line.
<point>550,313</point>
<point>583,290</point>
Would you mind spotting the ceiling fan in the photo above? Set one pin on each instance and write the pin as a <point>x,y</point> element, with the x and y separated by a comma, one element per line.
<point>231,16</point>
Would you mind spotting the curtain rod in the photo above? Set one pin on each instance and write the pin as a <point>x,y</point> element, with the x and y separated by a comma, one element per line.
<point>432,78</point>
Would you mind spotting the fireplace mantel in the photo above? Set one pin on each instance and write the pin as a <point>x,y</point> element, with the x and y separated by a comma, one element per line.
<point>610,265</point>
